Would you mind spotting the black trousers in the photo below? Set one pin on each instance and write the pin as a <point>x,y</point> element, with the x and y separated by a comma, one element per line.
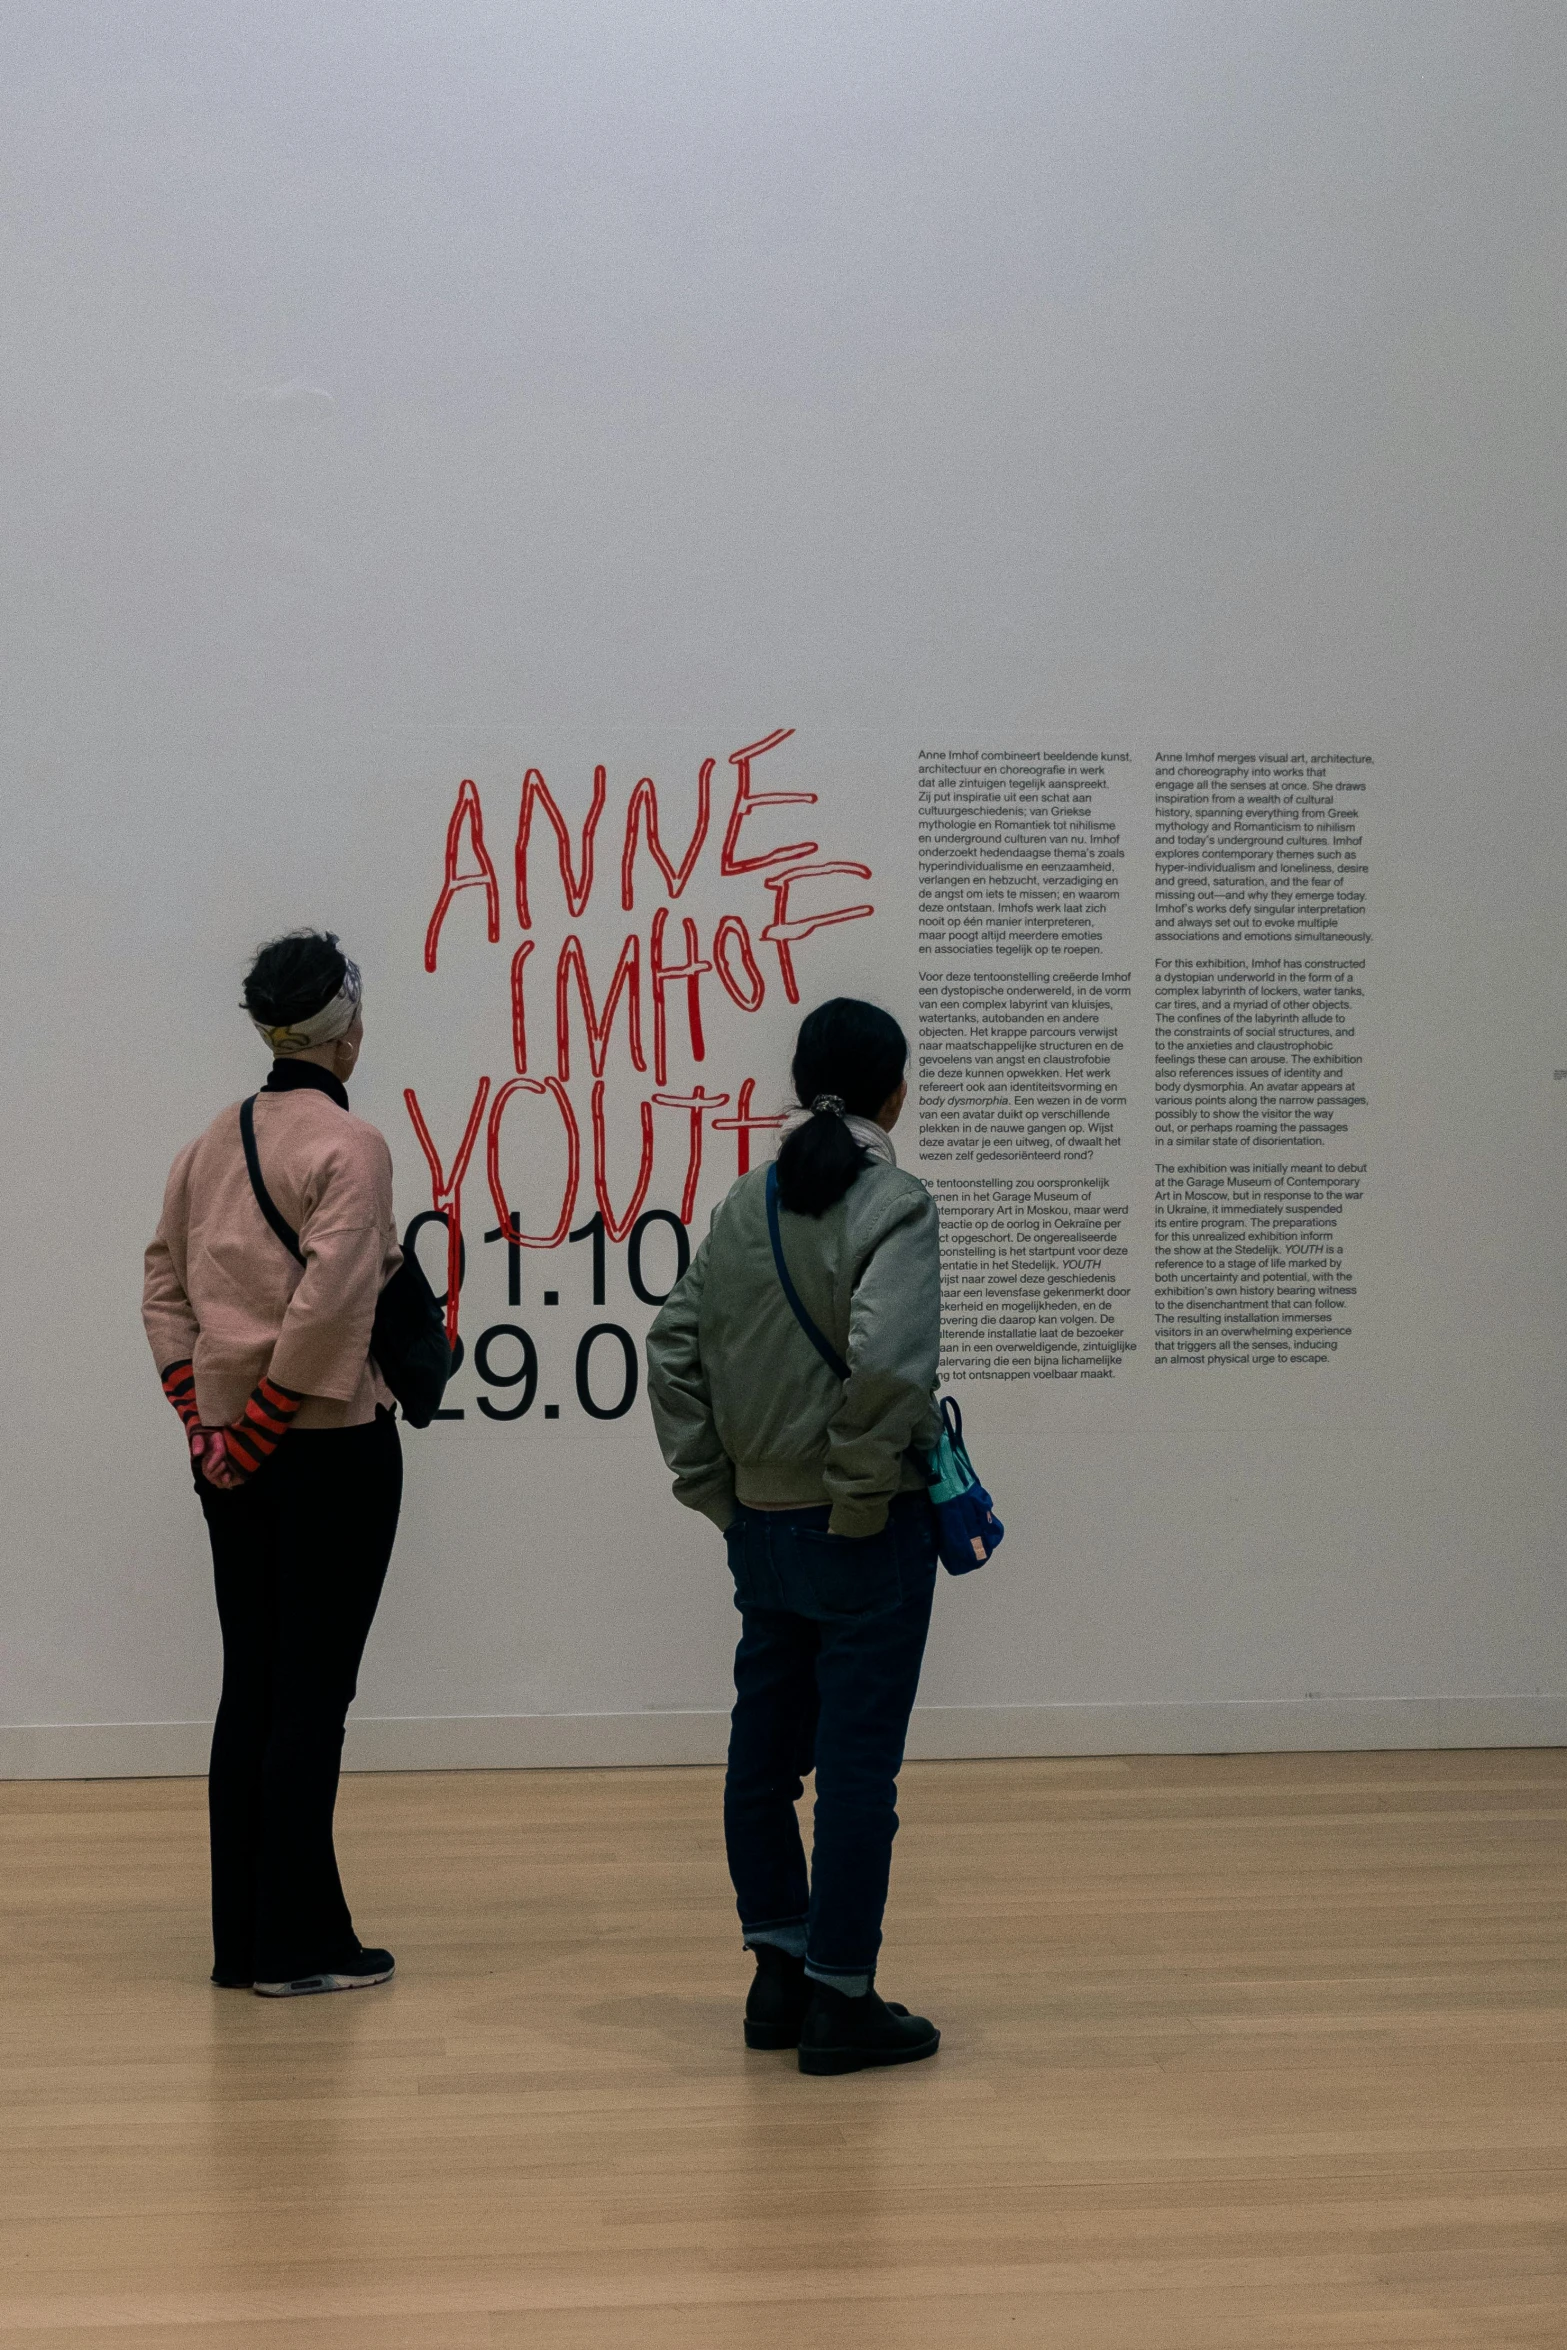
<point>299,1553</point>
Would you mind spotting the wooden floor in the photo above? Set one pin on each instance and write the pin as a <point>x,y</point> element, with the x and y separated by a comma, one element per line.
<point>1239,2053</point>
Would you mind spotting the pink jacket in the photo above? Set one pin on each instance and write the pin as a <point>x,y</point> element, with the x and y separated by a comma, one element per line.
<point>221,1288</point>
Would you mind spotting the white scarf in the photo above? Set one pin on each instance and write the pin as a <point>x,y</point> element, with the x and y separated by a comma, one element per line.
<point>875,1138</point>
<point>324,1027</point>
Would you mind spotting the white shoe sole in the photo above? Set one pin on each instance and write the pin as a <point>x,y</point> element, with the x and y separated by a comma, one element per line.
<point>306,1986</point>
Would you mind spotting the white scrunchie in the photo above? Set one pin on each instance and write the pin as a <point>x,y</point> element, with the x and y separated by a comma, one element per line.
<point>324,1027</point>
<point>875,1138</point>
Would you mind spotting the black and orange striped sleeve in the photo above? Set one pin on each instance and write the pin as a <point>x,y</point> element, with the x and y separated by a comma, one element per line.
<point>261,1427</point>
<point>179,1385</point>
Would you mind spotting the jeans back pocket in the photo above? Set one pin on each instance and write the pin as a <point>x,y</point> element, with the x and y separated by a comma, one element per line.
<point>841,1576</point>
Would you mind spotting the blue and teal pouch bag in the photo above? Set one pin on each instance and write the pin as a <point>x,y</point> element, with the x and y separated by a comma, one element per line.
<point>968,1531</point>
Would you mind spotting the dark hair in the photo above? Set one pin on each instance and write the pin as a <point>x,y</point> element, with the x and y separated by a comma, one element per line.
<point>294,976</point>
<point>856,1053</point>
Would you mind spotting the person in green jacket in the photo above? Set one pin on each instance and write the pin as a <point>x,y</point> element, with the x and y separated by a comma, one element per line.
<point>802,1428</point>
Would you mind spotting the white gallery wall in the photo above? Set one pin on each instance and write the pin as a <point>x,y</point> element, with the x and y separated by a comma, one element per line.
<point>1122,446</point>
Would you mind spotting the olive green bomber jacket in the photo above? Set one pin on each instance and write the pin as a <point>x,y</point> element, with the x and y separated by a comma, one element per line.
<point>744,1406</point>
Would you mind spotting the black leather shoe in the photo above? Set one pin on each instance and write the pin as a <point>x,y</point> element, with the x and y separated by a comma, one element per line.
<point>775,2005</point>
<point>359,1974</point>
<point>842,2035</point>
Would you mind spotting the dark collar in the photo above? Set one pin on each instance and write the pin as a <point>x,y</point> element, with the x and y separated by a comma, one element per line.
<point>289,1076</point>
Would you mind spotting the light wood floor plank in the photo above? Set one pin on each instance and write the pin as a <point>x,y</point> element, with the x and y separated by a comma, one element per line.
<point>1249,2053</point>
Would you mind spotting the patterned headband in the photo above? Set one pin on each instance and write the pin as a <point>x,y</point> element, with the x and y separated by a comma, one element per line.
<point>324,1027</point>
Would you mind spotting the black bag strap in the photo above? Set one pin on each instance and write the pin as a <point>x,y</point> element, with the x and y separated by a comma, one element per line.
<point>264,1200</point>
<point>824,1346</point>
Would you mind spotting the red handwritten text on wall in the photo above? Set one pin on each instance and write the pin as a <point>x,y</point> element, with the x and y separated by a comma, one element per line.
<point>650,985</point>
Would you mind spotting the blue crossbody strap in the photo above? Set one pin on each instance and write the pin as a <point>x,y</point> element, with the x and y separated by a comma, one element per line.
<point>824,1346</point>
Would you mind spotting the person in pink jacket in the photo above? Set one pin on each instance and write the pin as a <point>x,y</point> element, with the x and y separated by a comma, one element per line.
<point>296,1458</point>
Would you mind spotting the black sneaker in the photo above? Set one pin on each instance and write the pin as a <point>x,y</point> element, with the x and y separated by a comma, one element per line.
<point>775,2006</point>
<point>225,1982</point>
<point>843,2035</point>
<point>360,1974</point>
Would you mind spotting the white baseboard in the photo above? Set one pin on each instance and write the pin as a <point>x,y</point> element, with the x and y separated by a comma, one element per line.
<point>511,1742</point>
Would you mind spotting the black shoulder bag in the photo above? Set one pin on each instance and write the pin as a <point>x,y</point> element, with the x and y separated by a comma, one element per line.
<point>408,1340</point>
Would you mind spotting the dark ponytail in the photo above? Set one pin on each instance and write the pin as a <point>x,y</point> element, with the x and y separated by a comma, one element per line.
<point>849,1057</point>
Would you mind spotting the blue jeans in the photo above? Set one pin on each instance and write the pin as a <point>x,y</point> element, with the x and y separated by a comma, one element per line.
<point>825,1676</point>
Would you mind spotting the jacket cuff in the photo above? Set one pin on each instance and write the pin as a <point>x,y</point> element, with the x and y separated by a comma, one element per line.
<point>859,1518</point>
<point>715,1502</point>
